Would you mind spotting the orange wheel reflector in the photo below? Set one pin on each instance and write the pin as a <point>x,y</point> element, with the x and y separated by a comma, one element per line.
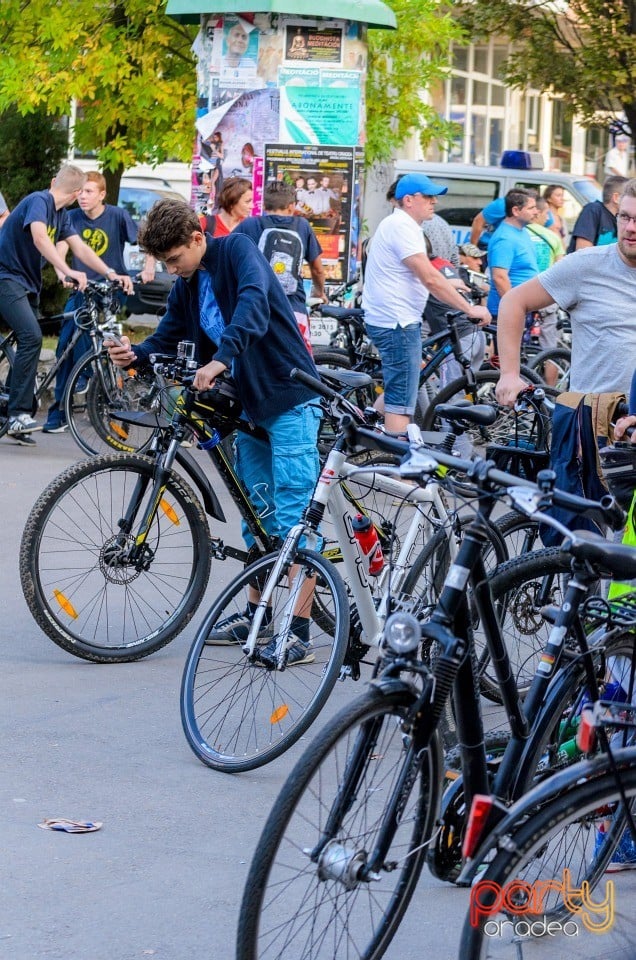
<point>170,512</point>
<point>279,714</point>
<point>118,430</point>
<point>65,604</point>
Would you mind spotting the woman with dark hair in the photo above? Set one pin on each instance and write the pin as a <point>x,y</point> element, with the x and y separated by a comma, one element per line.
<point>554,196</point>
<point>234,203</point>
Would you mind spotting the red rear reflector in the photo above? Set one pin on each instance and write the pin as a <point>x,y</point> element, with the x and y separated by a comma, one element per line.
<point>586,734</point>
<point>479,814</point>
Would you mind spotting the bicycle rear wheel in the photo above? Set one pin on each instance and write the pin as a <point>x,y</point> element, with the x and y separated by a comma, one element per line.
<point>561,360</point>
<point>78,583</point>
<point>304,898</point>
<point>531,428</point>
<point>96,387</point>
<point>236,714</point>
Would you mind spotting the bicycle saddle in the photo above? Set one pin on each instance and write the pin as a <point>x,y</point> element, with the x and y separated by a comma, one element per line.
<point>616,558</point>
<point>344,378</point>
<point>466,412</point>
<point>342,313</point>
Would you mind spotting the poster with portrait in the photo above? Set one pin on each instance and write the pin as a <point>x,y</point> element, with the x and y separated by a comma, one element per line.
<point>239,54</point>
<point>323,176</point>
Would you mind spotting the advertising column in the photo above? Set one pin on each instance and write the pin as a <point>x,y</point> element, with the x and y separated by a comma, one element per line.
<point>282,98</point>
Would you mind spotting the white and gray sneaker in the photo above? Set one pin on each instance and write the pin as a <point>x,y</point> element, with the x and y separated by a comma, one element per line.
<point>21,427</point>
<point>234,630</point>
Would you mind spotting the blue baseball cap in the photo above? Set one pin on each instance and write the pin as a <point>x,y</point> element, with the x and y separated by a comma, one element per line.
<point>412,183</point>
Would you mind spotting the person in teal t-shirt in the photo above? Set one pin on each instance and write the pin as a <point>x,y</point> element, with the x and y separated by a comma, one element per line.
<point>511,255</point>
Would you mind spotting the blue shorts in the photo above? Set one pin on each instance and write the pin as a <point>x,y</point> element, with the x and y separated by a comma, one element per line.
<point>401,355</point>
<point>280,477</point>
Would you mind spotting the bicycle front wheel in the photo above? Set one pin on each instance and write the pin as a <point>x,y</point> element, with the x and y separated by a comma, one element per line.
<point>95,388</point>
<point>7,357</point>
<point>307,896</point>
<point>238,715</point>
<point>78,581</point>
<point>581,808</point>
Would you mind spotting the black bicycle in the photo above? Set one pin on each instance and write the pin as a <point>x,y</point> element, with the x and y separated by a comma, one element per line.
<point>116,553</point>
<point>582,809</point>
<point>95,384</point>
<point>343,847</point>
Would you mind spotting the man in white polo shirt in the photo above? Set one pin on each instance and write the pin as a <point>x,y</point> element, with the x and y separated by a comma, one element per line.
<point>397,280</point>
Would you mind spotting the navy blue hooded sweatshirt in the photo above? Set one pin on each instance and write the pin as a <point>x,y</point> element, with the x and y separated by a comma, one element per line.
<point>261,343</point>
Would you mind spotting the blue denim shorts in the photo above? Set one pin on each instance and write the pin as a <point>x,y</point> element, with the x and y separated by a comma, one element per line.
<point>401,355</point>
<point>280,476</point>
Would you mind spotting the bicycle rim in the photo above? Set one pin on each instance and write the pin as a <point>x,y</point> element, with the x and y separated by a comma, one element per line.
<point>95,388</point>
<point>572,819</point>
<point>238,715</point>
<point>78,584</point>
<point>302,900</point>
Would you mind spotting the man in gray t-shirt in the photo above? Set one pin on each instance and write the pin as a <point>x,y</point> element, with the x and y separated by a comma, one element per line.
<point>4,210</point>
<point>597,286</point>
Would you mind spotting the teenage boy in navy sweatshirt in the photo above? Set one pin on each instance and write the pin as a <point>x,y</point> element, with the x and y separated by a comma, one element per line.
<point>229,302</point>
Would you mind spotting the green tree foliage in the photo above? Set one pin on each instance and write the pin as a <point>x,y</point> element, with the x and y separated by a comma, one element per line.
<point>31,151</point>
<point>125,62</point>
<point>404,63</point>
<point>32,148</point>
<point>584,50</point>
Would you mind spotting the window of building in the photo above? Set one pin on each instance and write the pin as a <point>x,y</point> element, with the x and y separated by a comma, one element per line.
<point>476,99</point>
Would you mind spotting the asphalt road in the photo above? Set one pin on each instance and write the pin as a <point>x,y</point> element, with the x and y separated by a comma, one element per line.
<point>164,876</point>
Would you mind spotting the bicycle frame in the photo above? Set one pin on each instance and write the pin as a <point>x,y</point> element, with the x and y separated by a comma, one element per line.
<point>329,495</point>
<point>451,628</point>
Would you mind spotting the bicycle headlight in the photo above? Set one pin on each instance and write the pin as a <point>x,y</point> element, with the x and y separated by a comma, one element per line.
<point>402,633</point>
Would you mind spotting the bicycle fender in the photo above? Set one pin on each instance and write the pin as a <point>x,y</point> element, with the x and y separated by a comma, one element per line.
<point>389,685</point>
<point>210,500</point>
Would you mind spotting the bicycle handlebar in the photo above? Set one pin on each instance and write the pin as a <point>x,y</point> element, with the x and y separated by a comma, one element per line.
<point>481,472</point>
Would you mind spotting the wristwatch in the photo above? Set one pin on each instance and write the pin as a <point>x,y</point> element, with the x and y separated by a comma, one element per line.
<point>111,273</point>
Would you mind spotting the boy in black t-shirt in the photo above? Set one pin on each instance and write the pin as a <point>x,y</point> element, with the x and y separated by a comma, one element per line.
<point>105,229</point>
<point>28,236</point>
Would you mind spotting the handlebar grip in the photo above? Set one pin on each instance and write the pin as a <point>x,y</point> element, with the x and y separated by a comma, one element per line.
<point>606,510</point>
<point>321,388</point>
<point>371,440</point>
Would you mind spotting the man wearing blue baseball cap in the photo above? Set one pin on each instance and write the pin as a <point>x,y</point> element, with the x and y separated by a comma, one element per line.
<point>397,280</point>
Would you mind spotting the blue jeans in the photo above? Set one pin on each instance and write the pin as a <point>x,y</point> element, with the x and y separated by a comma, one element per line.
<point>400,351</point>
<point>280,477</point>
<point>65,369</point>
<point>17,309</point>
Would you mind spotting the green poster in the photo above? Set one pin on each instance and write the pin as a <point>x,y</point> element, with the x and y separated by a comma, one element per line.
<point>319,114</point>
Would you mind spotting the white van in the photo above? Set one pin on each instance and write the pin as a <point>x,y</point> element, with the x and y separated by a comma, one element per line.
<point>470,187</point>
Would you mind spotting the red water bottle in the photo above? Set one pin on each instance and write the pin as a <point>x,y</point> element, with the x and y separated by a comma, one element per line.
<point>367,536</point>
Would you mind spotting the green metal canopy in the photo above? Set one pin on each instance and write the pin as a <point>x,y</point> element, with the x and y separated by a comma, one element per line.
<point>372,12</point>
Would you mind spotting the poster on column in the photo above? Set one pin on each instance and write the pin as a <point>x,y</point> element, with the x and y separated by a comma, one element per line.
<point>231,138</point>
<point>324,177</point>
<point>319,105</point>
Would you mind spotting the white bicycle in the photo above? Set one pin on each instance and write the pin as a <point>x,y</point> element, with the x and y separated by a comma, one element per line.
<point>240,707</point>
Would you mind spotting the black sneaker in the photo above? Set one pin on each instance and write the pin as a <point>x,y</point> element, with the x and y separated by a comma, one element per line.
<point>24,439</point>
<point>234,630</point>
<point>297,653</point>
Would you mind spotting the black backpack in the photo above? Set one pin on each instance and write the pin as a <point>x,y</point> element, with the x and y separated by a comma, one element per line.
<point>283,250</point>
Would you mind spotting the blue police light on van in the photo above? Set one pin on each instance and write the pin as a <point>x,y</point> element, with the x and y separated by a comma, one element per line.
<point>521,160</point>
